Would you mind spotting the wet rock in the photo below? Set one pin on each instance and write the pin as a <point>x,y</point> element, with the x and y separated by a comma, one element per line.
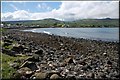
<point>39,75</point>
<point>39,52</point>
<point>55,76</point>
<point>30,65</point>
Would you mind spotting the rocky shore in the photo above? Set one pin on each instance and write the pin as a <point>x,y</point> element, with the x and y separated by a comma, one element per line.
<point>56,57</point>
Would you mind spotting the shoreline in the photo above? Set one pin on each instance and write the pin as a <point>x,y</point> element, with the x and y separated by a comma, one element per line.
<point>97,39</point>
<point>69,57</point>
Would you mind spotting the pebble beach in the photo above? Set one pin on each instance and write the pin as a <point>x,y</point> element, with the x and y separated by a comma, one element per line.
<point>56,57</point>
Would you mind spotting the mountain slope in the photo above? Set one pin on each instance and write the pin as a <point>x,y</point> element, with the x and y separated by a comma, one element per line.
<point>57,23</point>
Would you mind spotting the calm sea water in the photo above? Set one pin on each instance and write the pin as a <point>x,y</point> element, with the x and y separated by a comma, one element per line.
<point>104,34</point>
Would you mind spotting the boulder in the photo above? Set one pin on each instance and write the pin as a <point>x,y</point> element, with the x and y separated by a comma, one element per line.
<point>18,49</point>
<point>68,61</point>
<point>39,75</point>
<point>39,52</point>
<point>9,52</point>
<point>54,72</point>
<point>34,58</point>
<point>55,76</point>
<point>30,65</point>
<point>23,73</point>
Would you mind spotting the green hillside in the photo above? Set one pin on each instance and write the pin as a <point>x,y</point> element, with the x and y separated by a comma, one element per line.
<point>57,23</point>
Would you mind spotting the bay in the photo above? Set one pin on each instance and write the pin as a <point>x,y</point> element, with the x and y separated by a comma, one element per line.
<point>104,34</point>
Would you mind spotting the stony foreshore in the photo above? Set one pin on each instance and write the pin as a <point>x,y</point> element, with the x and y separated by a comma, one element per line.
<point>55,57</point>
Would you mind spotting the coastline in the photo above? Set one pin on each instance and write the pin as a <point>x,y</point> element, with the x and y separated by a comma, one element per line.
<point>86,58</point>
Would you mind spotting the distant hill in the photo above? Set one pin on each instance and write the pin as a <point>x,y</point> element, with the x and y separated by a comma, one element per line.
<point>49,22</point>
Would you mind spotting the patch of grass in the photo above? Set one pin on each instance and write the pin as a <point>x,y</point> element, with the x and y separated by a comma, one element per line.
<point>8,47</point>
<point>7,70</point>
<point>2,30</point>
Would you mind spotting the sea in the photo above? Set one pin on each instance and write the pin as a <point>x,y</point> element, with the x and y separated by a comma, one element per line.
<point>103,34</point>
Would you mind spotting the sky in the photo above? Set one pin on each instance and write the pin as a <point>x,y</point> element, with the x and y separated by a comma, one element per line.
<point>61,10</point>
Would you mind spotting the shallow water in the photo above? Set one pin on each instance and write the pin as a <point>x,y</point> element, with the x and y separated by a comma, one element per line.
<point>104,34</point>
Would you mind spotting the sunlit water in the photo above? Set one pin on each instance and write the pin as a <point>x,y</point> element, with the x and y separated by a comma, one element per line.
<point>104,34</point>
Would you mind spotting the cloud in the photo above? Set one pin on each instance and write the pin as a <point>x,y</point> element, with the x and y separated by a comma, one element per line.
<point>44,6</point>
<point>14,7</point>
<point>70,10</point>
<point>17,15</point>
<point>89,9</point>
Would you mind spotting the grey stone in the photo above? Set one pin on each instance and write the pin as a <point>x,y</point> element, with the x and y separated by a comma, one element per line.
<point>30,65</point>
<point>39,75</point>
<point>55,76</point>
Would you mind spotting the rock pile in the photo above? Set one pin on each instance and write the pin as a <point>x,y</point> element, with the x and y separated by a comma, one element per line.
<point>55,57</point>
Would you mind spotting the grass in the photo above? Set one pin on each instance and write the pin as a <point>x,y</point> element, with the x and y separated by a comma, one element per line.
<point>2,30</point>
<point>8,47</point>
<point>7,70</point>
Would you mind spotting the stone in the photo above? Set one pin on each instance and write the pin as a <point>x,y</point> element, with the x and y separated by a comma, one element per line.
<point>109,62</point>
<point>27,50</point>
<point>82,63</point>
<point>105,54</point>
<point>18,49</point>
<point>39,52</point>
<point>69,60</point>
<point>51,52</point>
<point>6,44</point>
<point>55,76</point>
<point>14,65</point>
<point>9,52</point>
<point>39,75</point>
<point>51,72</point>
<point>23,72</point>
<point>91,75</point>
<point>30,65</point>
<point>8,41</point>
<point>71,77</point>
<point>34,58</point>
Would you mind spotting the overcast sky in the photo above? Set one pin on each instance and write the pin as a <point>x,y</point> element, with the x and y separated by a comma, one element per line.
<point>61,10</point>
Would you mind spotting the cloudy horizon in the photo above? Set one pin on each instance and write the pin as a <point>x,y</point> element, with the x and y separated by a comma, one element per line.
<point>61,10</point>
